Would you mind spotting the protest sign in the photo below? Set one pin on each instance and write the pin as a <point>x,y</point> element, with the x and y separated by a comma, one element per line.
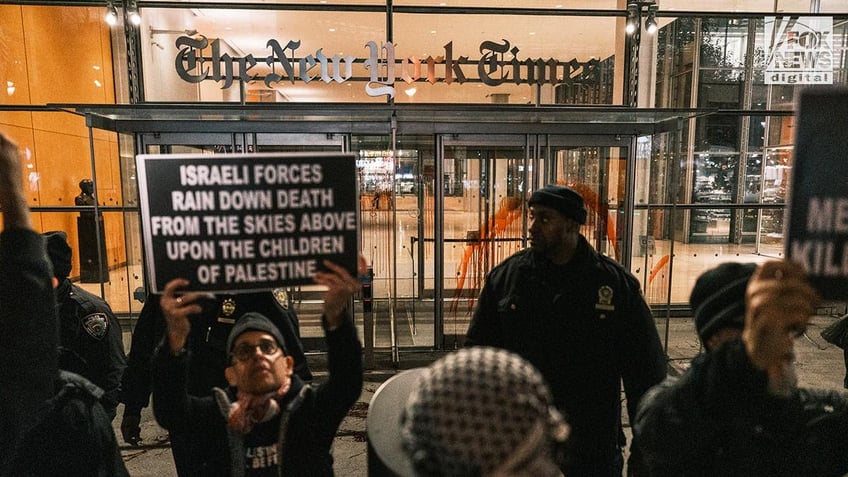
<point>238,222</point>
<point>817,230</point>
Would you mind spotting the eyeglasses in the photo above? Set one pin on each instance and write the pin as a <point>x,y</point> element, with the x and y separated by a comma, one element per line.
<point>245,351</point>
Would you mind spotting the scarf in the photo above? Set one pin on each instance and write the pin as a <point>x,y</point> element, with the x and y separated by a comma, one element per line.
<point>250,409</point>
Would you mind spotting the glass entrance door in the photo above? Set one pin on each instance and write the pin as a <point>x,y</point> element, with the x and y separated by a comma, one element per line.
<point>599,174</point>
<point>485,182</point>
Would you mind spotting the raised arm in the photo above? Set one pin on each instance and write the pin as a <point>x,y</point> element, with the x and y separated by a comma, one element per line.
<point>28,330</point>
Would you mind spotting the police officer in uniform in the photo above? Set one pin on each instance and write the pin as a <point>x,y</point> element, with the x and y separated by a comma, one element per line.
<point>208,345</point>
<point>580,318</point>
<point>90,340</point>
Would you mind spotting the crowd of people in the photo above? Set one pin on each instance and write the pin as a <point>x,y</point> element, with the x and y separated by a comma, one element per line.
<point>558,331</point>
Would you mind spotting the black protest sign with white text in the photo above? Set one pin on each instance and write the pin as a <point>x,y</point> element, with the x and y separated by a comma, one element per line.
<point>236,222</point>
<point>818,209</point>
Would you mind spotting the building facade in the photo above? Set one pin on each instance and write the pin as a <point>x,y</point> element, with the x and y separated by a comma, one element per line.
<point>679,133</point>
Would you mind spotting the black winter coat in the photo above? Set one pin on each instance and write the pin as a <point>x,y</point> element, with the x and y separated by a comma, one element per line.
<point>91,340</point>
<point>586,327</point>
<point>312,425</point>
<point>719,419</point>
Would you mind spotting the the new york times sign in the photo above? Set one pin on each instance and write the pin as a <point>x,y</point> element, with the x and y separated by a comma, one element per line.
<point>799,50</point>
<point>229,222</point>
<point>199,60</point>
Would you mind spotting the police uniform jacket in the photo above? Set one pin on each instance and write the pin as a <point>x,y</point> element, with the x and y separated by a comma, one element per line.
<point>91,341</point>
<point>305,437</point>
<point>719,419</point>
<point>586,327</point>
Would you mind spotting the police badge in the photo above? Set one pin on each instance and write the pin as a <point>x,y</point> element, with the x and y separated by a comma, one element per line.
<point>228,307</point>
<point>282,297</point>
<point>96,325</point>
<point>605,300</point>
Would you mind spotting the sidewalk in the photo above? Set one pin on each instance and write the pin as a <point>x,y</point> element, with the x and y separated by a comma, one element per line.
<point>818,363</point>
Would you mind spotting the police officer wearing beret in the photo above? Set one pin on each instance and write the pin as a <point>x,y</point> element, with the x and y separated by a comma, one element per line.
<point>580,318</point>
<point>91,342</point>
<point>208,345</point>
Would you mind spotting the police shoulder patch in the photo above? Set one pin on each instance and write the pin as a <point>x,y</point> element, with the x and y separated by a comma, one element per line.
<point>282,297</point>
<point>96,325</point>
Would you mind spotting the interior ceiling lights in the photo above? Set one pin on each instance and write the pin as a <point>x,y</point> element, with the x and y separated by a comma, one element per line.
<point>651,19</point>
<point>111,16</point>
<point>634,17</point>
<point>132,13</point>
<point>130,10</point>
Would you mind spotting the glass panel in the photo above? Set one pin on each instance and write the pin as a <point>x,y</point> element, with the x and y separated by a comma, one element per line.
<point>715,183</point>
<point>771,232</point>
<point>655,263</point>
<point>57,168</point>
<point>598,174</point>
<point>483,221</point>
<point>314,57</point>
<point>781,130</point>
<point>377,202</point>
<point>506,59</point>
<point>392,193</point>
<point>776,174</point>
<point>721,89</point>
<point>42,63</point>
<point>675,62</point>
<point>756,133</point>
<point>724,42</point>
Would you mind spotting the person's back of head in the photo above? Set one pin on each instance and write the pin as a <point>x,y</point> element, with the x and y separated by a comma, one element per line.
<point>482,411</point>
<point>718,302</point>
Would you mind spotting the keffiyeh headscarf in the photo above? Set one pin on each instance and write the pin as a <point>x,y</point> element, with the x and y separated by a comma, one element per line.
<point>482,411</point>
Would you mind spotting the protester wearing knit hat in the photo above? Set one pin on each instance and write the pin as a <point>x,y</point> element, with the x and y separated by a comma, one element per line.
<point>718,299</point>
<point>91,339</point>
<point>737,409</point>
<point>580,318</point>
<point>253,321</point>
<point>267,420</point>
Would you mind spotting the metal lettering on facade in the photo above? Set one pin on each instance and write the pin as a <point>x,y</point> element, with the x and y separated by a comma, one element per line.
<point>498,64</point>
<point>799,50</point>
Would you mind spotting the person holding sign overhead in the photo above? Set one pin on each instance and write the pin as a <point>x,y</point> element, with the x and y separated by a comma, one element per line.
<point>738,410</point>
<point>207,342</point>
<point>268,421</point>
